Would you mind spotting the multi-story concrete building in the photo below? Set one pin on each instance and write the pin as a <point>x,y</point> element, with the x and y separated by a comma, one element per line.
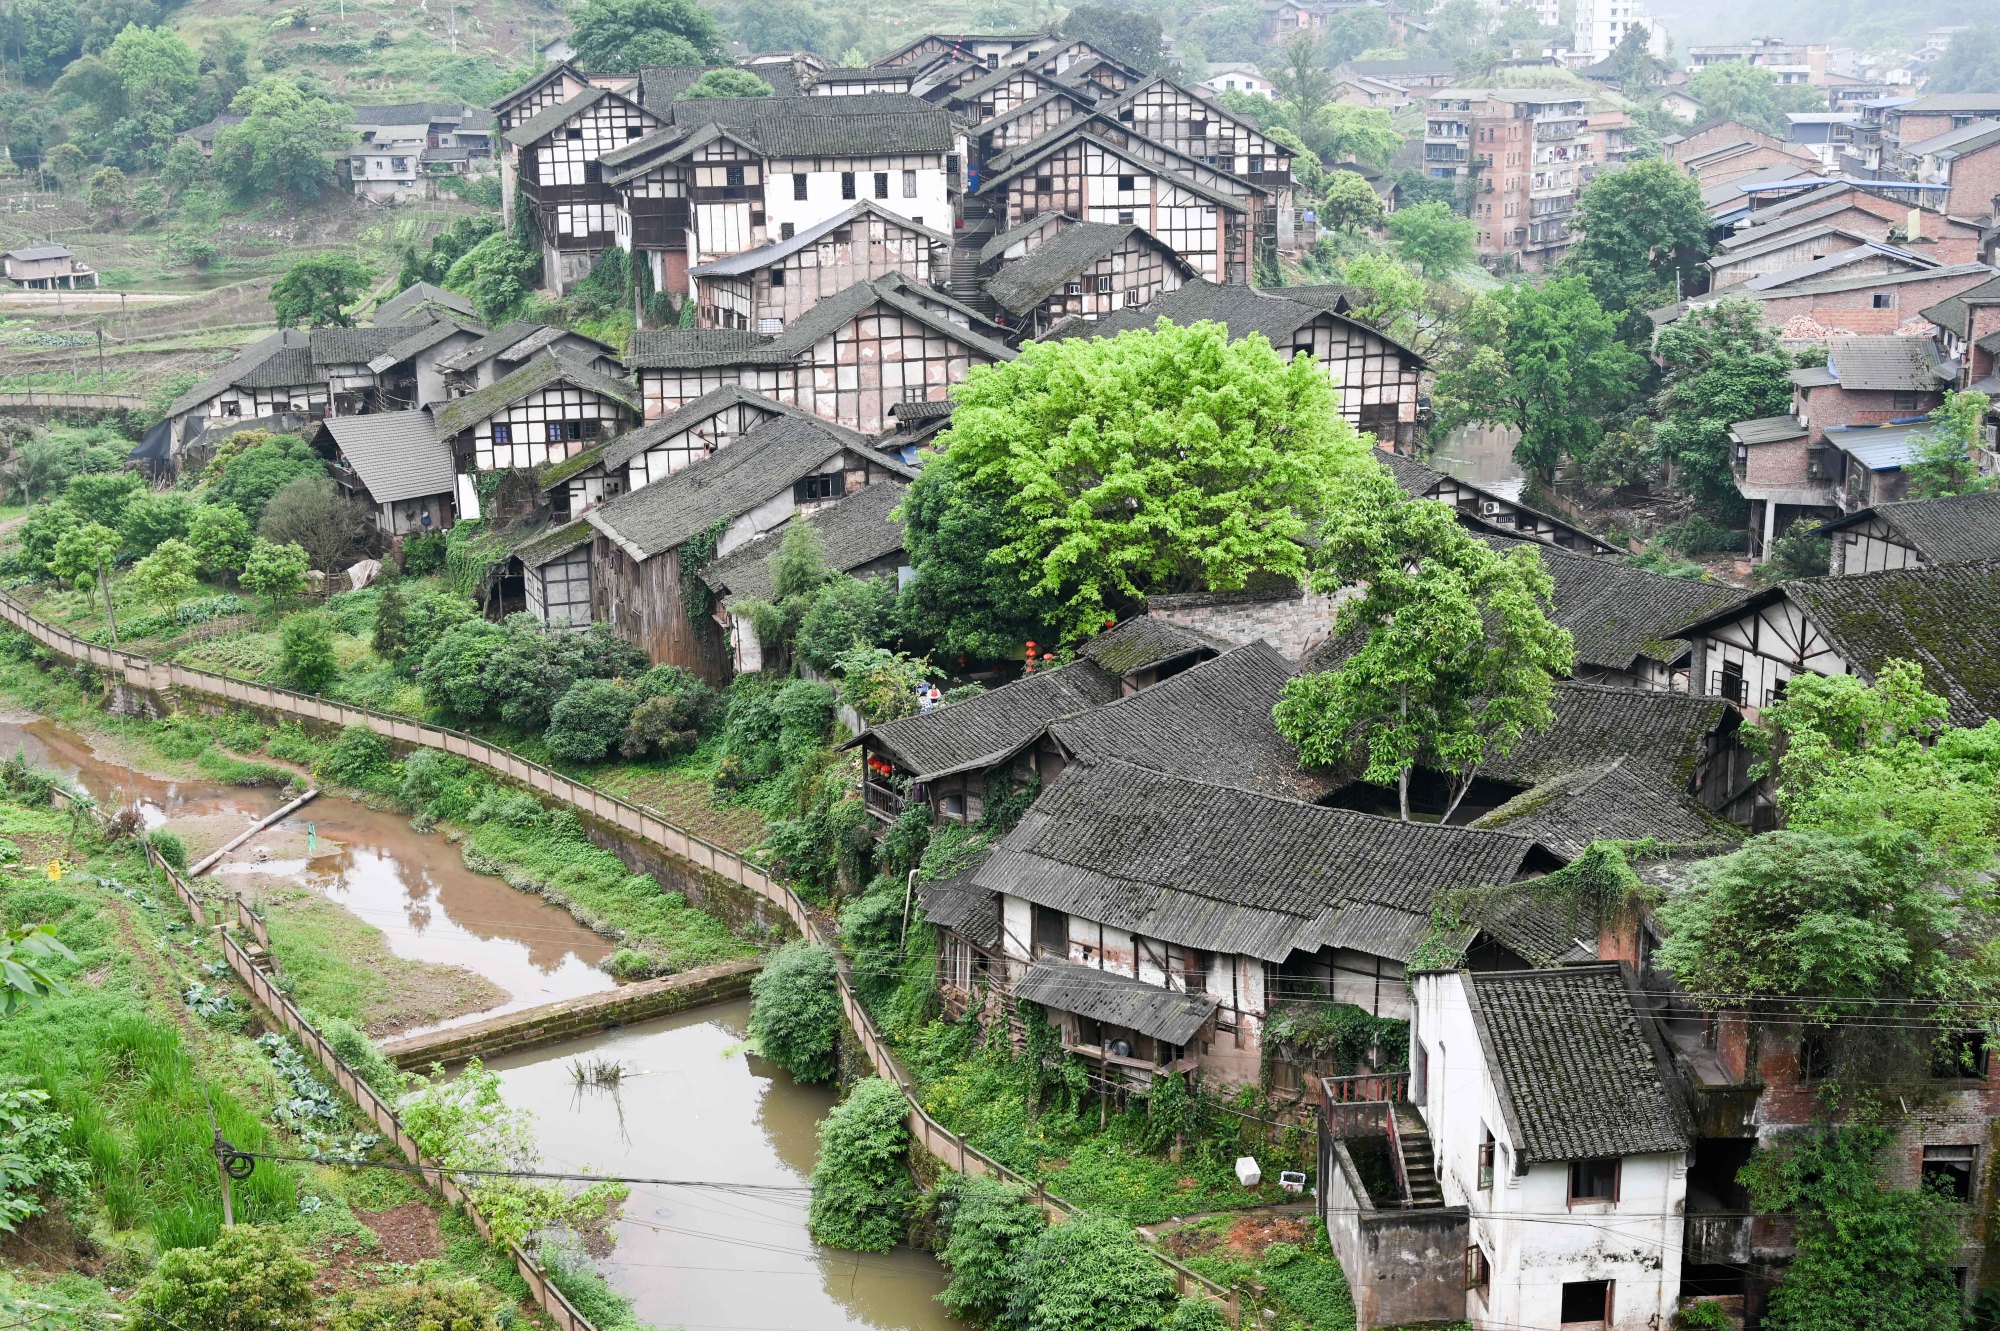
<point>1525,147</point>
<point>1599,26</point>
<point>1789,62</point>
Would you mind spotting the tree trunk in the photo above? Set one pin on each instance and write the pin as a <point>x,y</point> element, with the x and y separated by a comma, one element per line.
<point>1403,777</point>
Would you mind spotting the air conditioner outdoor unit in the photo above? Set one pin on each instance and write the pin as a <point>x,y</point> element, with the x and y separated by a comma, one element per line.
<point>1491,508</point>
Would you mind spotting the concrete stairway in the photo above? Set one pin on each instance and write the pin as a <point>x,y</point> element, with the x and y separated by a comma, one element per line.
<point>1419,1161</point>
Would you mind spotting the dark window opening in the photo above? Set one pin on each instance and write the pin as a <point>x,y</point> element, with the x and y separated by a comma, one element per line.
<point>1128,183</point>
<point>799,185</point>
<point>732,175</point>
<point>847,184</point>
<point>1478,1271</point>
<point>1126,217</point>
<point>1815,1057</point>
<point>777,277</point>
<point>503,434</point>
<point>593,173</point>
<point>1902,401</point>
<point>573,134</point>
<point>1050,932</point>
<point>1948,1170</point>
<point>784,231</point>
<point>1586,1302</point>
<point>881,184</point>
<point>633,131</point>
<point>1963,1054</point>
<point>825,485</point>
<point>1043,184</point>
<point>1486,1152</point>
<point>1593,1180</point>
<point>1882,300</point>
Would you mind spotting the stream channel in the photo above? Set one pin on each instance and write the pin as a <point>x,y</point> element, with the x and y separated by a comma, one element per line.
<point>691,1103</point>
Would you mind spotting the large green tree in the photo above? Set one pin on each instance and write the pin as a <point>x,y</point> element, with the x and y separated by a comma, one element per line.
<point>1944,466</point>
<point>285,144</point>
<point>1124,34</point>
<point>1751,95</point>
<point>1457,657</point>
<point>1165,459</point>
<point>1641,233</point>
<point>1432,237</point>
<point>84,557</point>
<point>1546,360</point>
<point>1720,364</point>
<point>321,292</point>
<point>1970,64</point>
<point>625,36</point>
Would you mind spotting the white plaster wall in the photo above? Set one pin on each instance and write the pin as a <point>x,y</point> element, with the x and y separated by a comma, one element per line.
<point>931,207</point>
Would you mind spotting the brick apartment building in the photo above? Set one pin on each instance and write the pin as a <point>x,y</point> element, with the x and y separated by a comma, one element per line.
<point>1527,149</point>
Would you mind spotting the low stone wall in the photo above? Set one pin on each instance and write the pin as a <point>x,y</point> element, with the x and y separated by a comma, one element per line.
<point>553,1022</point>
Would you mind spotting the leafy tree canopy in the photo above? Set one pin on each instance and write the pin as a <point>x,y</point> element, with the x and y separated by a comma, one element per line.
<point>1970,64</point>
<point>1642,230</point>
<point>1720,365</point>
<point>1088,1274</point>
<point>1124,34</point>
<point>1751,95</point>
<point>319,292</point>
<point>1458,658</point>
<point>624,36</point>
<point>1163,459</point>
<point>725,83</point>
<point>1544,358</point>
<point>285,144</point>
<point>1943,465</point>
<point>1432,237</point>
<point>1348,202</point>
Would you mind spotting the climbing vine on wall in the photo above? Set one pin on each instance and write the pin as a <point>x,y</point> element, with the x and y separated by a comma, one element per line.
<point>696,554</point>
<point>1344,1034</point>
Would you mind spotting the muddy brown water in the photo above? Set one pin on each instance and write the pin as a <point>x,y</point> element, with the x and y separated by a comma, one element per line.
<point>692,1105</point>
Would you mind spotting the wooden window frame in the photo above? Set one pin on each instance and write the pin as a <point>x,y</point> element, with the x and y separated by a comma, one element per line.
<point>1617,1181</point>
<point>1610,1295</point>
<point>1488,1148</point>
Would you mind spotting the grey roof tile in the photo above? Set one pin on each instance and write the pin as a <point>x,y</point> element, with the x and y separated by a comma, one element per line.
<point>397,454</point>
<point>1656,734</point>
<point>634,442</point>
<point>549,118</point>
<point>761,464</point>
<point>1145,641</point>
<point>462,413</point>
<point>1243,310</point>
<point>1947,619</point>
<point>409,304</point>
<point>981,731</point>
<point>1607,801</point>
<point>1772,429</point>
<point>1619,614</point>
<point>1024,283</point>
<point>1115,1000</point>
<point>1900,364</point>
<point>1580,1070</point>
<point>765,255</point>
<point>1958,530</point>
<point>858,530</point>
<point>703,348</point>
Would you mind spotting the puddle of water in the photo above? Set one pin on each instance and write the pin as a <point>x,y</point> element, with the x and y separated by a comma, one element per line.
<point>205,813</point>
<point>709,1259</point>
<point>1483,455</point>
<point>429,907</point>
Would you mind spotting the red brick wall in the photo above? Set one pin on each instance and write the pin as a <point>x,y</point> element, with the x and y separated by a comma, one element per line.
<point>1761,158</point>
<point>1831,406</point>
<point>1985,323</point>
<point>1852,311</point>
<point>1729,132</point>
<point>1975,179</point>
<point>1781,464</point>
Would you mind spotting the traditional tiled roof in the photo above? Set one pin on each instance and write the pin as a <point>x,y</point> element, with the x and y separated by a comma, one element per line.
<point>1230,870</point>
<point>765,255</point>
<point>1000,244</point>
<point>1619,614</point>
<point>659,85</point>
<point>286,342</point>
<point>409,303</point>
<point>397,454</point>
<point>1243,310</point>
<point>981,731</point>
<point>354,346</point>
<point>550,118</point>
<point>1958,142</point>
<point>1947,619</point>
<point>33,252</point>
<point>1770,429</point>
<point>1420,482</point>
<point>1145,641</point>
<point>867,125</point>
<point>1830,267</point>
<point>1902,364</point>
<point>1115,1000</point>
<point>515,341</point>
<point>1953,312</point>
<point>462,413</point>
<point>760,465</point>
<point>1580,1072</point>
<point>423,336</point>
<point>559,540</point>
<point>288,367</point>
<point>955,903</point>
<point>1211,722</point>
<point>634,442</point>
<point>1655,733</point>
<point>1023,159</point>
<point>858,530</point>
<point>1024,283</point>
<point>703,348</point>
<point>1957,530</point>
<point>418,113</point>
<point>1606,801</point>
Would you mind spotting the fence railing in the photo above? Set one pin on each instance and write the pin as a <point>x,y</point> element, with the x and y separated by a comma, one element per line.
<point>378,1110</point>
<point>939,1141</point>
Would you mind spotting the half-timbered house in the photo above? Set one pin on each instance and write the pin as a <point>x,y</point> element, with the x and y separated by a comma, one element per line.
<point>1946,618</point>
<point>542,414</point>
<point>860,80</point>
<point>987,49</point>
<point>1082,270</point>
<point>1167,113</point>
<point>767,288</point>
<point>849,359</point>
<point>998,93</point>
<point>1376,377</point>
<point>555,574</point>
<point>999,135</point>
<point>552,87</point>
<point>556,156</point>
<point>859,536</point>
<point>1915,533</point>
<point>787,465</point>
<point>1206,218</point>
<point>272,377</point>
<point>1489,510</point>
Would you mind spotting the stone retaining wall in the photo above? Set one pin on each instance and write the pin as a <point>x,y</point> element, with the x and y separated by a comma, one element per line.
<point>553,1022</point>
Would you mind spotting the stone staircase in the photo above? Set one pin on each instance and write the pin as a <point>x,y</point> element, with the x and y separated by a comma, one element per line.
<point>964,281</point>
<point>1419,1161</point>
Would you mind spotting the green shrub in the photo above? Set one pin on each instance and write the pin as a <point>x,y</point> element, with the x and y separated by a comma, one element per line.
<point>674,710</point>
<point>871,928</point>
<point>169,845</point>
<point>1192,1314</point>
<point>359,1052</point>
<point>427,615</point>
<point>438,785</point>
<point>589,719</point>
<point>834,833</point>
<point>795,1011</point>
<point>982,1220</point>
<point>305,652</point>
<point>249,1279</point>
<point>845,613</point>
<point>861,1190</point>
<point>37,1165</point>
<point>1088,1274</point>
<point>357,757</point>
<point>423,555</point>
<point>571,1271</point>
<point>443,1305</point>
<point>1711,1317</point>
